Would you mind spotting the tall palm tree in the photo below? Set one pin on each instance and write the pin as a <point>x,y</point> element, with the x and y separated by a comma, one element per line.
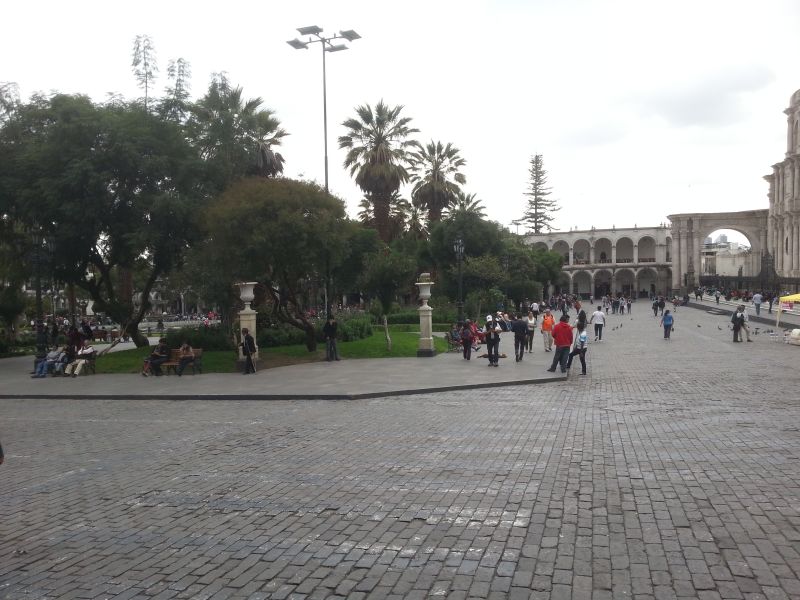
<point>234,135</point>
<point>436,177</point>
<point>466,203</point>
<point>377,144</point>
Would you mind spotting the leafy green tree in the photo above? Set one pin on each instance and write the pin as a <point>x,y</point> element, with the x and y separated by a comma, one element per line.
<point>378,145</point>
<point>538,214</point>
<point>385,274</point>
<point>113,188</point>
<point>144,64</point>
<point>436,175</point>
<point>282,233</point>
<point>235,137</point>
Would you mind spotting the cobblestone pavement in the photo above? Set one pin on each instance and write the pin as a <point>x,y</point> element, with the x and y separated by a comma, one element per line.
<point>670,471</point>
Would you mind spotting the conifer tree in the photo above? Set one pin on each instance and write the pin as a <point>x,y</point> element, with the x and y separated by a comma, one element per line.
<point>539,213</point>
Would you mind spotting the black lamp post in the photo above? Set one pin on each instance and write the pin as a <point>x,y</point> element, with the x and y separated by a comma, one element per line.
<point>458,248</point>
<point>316,35</point>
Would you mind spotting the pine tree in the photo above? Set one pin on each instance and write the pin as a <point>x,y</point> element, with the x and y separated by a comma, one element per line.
<point>539,212</point>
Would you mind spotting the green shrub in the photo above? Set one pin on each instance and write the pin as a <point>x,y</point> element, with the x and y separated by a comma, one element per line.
<point>207,338</point>
<point>282,334</point>
<point>355,329</point>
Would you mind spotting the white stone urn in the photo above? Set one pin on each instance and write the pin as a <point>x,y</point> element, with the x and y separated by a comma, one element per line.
<point>246,292</point>
<point>247,316</point>
<point>426,347</point>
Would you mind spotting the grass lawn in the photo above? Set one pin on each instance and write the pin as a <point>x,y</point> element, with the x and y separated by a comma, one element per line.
<point>404,344</point>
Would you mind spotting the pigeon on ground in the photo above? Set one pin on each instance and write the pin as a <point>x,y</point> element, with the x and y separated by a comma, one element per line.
<point>718,327</point>
<point>698,325</point>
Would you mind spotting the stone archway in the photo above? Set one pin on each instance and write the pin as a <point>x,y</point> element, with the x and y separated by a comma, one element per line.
<point>646,282</point>
<point>582,284</point>
<point>602,281</point>
<point>690,229</point>
<point>625,282</point>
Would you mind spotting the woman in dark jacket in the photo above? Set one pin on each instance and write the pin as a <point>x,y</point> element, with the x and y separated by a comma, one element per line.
<point>492,338</point>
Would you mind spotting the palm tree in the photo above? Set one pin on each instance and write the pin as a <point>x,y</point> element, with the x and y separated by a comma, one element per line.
<point>436,177</point>
<point>234,135</point>
<point>377,147</point>
<point>365,215</point>
<point>466,203</point>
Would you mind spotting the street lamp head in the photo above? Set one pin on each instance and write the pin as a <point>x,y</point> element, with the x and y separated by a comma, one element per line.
<point>297,44</point>
<point>349,35</point>
<point>335,48</point>
<point>310,30</point>
<point>458,247</point>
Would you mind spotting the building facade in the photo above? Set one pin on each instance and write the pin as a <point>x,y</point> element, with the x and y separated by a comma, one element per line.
<point>635,260</point>
<point>783,235</point>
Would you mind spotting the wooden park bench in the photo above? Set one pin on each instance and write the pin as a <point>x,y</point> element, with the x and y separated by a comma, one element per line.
<point>175,360</point>
<point>452,344</point>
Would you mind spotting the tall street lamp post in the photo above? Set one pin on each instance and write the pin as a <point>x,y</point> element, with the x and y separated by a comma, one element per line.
<point>317,36</point>
<point>458,247</point>
<point>327,46</point>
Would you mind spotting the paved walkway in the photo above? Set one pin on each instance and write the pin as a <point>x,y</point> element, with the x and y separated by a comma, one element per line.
<point>671,471</point>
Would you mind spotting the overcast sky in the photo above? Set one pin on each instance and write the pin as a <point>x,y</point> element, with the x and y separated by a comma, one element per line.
<point>640,109</point>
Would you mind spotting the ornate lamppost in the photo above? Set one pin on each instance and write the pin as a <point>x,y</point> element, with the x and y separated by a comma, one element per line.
<point>458,248</point>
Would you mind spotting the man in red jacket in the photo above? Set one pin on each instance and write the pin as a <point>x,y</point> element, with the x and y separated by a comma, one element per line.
<point>562,336</point>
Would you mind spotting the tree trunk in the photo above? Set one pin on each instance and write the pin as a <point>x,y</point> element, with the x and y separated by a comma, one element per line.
<point>386,333</point>
<point>380,205</point>
<point>311,337</point>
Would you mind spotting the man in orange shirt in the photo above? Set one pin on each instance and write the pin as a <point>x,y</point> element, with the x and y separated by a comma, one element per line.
<point>547,330</point>
<point>562,335</point>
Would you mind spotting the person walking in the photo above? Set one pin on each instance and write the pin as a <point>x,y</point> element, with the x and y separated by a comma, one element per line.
<point>530,322</point>
<point>466,339</point>
<point>758,299</point>
<point>745,323</point>
<point>737,320</point>
<point>581,345</point>
<point>248,349</point>
<point>520,328</point>
<point>547,330</point>
<point>599,319</point>
<point>492,338</point>
<point>330,331</point>
<point>667,322</point>
<point>717,295</point>
<point>562,336</point>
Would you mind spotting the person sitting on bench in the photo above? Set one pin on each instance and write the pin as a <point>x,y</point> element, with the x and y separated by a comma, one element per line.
<point>83,356</point>
<point>186,357</point>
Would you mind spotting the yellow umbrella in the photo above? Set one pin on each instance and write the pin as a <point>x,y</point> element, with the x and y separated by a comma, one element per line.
<point>791,298</point>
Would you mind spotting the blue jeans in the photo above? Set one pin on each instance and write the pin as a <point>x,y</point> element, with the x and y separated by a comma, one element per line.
<point>331,352</point>
<point>758,309</point>
<point>560,358</point>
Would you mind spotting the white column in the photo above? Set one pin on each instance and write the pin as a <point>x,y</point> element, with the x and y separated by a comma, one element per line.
<point>635,253</point>
<point>684,258</point>
<point>591,257</point>
<point>571,256</point>
<point>614,254</point>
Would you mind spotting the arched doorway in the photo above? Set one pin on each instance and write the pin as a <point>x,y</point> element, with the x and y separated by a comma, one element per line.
<point>602,283</point>
<point>602,251</point>
<point>625,282</point>
<point>646,282</point>
<point>582,284</point>
<point>624,250</point>
<point>647,249</point>
<point>562,248</point>
<point>580,252</point>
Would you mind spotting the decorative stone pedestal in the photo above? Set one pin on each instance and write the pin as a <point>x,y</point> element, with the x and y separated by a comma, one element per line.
<point>426,347</point>
<point>247,318</point>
